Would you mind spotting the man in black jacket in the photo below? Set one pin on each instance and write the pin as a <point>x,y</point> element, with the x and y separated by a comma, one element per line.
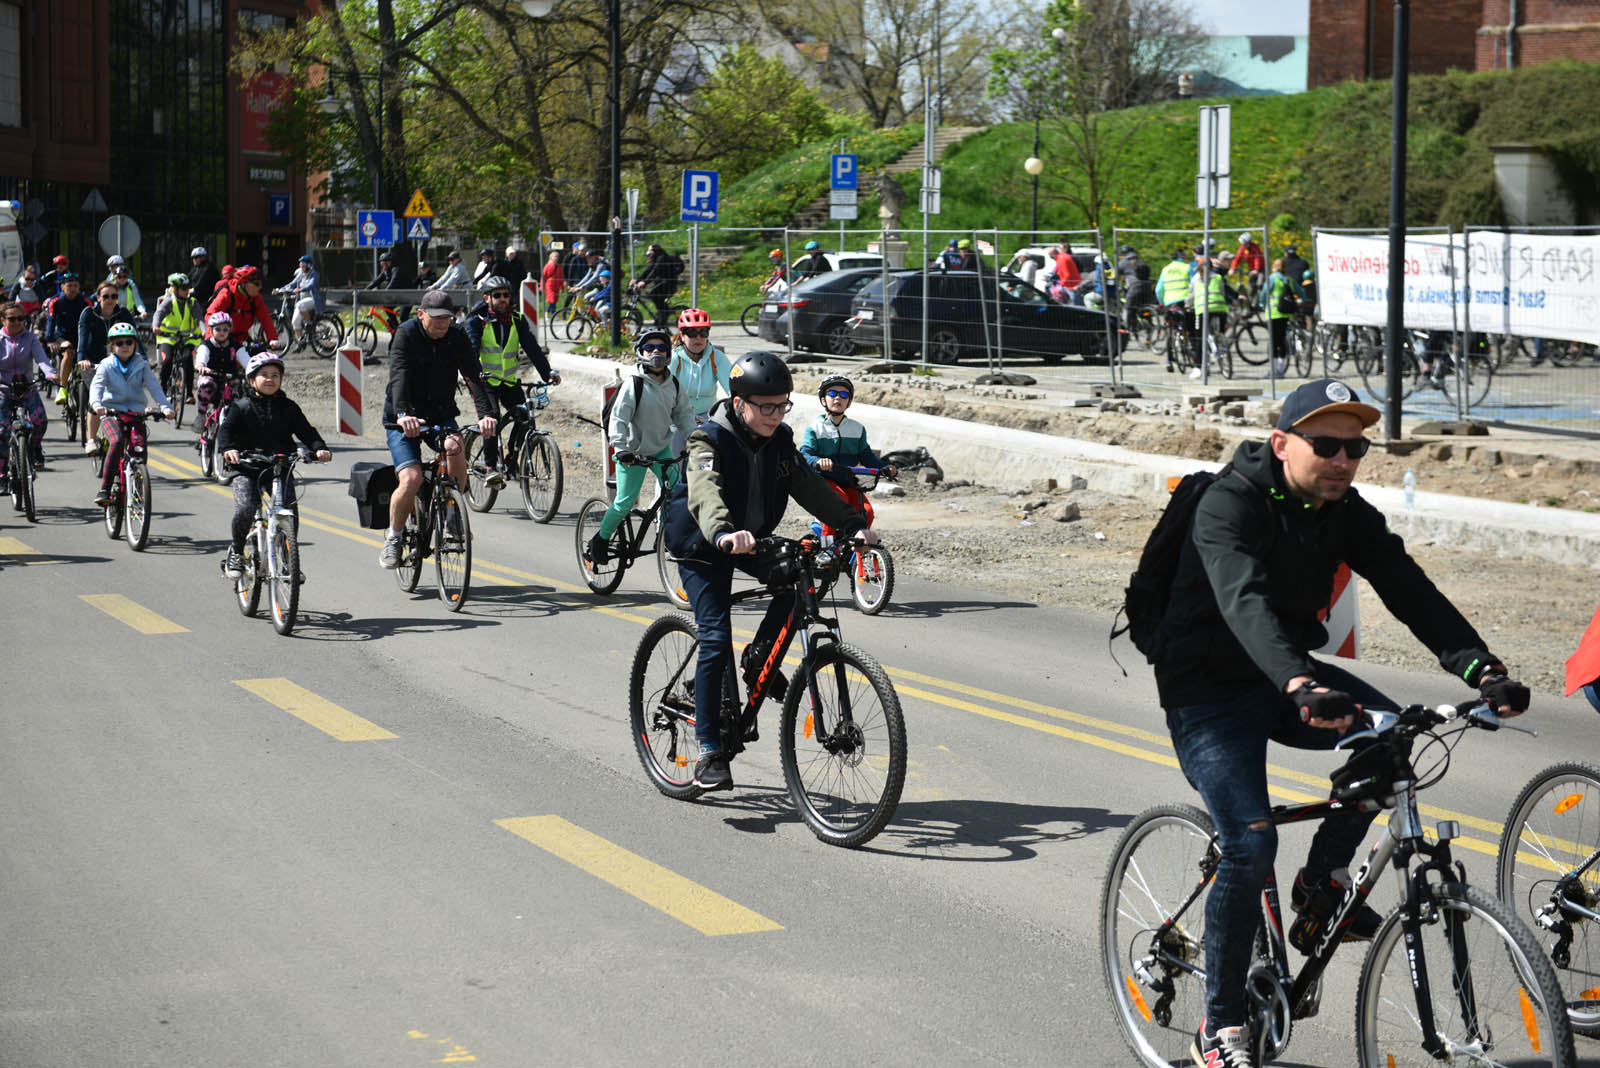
<point>657,282</point>
<point>1234,667</point>
<point>427,354</point>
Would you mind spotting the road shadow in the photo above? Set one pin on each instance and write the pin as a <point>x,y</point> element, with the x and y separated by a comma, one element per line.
<point>31,560</point>
<point>182,546</point>
<point>934,609</point>
<point>343,627</point>
<point>754,809</point>
<point>522,602</point>
<point>987,831</point>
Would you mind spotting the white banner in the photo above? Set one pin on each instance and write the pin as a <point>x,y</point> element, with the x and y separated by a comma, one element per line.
<point>1531,285</point>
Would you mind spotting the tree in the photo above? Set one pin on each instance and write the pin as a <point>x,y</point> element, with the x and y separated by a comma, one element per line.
<point>750,110</point>
<point>1096,56</point>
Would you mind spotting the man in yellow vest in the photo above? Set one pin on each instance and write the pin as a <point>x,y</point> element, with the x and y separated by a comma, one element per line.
<point>176,333</point>
<point>1209,289</point>
<point>1172,293</point>
<point>499,334</point>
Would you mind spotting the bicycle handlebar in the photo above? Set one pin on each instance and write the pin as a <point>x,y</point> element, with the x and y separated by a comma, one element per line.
<point>1416,719</point>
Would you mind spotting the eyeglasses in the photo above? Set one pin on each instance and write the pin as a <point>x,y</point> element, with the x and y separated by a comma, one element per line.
<point>108,296</point>
<point>696,331</point>
<point>1328,447</point>
<point>123,341</point>
<point>775,408</point>
<point>16,318</point>
<point>839,393</point>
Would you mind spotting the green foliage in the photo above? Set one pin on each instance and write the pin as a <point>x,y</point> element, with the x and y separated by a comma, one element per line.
<point>752,107</point>
<point>771,194</point>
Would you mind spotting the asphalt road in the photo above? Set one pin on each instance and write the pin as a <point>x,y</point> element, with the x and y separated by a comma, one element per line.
<point>408,837</point>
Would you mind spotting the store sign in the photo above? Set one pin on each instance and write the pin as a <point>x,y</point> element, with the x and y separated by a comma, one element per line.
<point>263,92</point>
<point>266,174</point>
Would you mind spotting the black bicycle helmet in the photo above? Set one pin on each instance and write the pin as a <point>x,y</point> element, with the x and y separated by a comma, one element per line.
<point>835,382</point>
<point>656,360</point>
<point>760,374</point>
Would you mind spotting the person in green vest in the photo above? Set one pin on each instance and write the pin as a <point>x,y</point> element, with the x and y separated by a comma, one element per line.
<point>500,334</point>
<point>1172,293</point>
<point>176,332</point>
<point>1281,297</point>
<point>1209,291</point>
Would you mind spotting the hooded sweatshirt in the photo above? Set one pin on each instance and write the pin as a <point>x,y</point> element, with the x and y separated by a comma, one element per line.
<point>645,428</point>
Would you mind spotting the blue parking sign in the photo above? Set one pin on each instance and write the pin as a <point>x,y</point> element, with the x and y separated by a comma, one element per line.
<point>278,207</point>
<point>843,172</point>
<point>699,196</point>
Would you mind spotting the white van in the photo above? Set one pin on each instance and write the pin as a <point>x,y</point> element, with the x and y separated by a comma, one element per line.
<point>10,242</point>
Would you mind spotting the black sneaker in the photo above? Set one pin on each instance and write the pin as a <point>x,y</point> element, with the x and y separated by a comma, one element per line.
<point>1319,902</point>
<point>1229,1047</point>
<point>233,566</point>
<point>598,551</point>
<point>103,499</point>
<point>712,772</point>
<point>5,485</point>
<point>750,662</point>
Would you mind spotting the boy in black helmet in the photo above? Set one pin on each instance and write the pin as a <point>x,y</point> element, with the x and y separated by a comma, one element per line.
<point>742,469</point>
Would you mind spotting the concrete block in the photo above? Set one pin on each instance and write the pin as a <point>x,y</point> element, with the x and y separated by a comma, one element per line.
<point>1065,512</point>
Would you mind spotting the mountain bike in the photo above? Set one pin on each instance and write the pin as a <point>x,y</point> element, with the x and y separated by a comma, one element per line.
<point>1452,975</point>
<point>229,386</point>
<point>1548,872</point>
<point>19,460</point>
<point>323,332</point>
<point>842,737</point>
<point>628,542</point>
<point>75,412</point>
<point>272,550</point>
<point>584,319</point>
<point>438,526</point>
<point>1180,347</point>
<point>364,331</point>
<point>535,463</point>
<point>870,567</point>
<point>128,512</point>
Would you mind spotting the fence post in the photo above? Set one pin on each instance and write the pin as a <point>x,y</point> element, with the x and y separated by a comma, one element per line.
<point>883,249</point>
<point>788,292</point>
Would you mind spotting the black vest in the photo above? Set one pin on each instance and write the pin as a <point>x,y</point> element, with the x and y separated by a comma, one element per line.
<point>755,489</point>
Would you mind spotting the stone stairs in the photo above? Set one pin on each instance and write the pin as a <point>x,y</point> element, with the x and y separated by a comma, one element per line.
<point>814,216</point>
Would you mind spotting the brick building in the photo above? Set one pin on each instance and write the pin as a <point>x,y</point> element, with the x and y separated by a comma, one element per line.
<point>1544,30</point>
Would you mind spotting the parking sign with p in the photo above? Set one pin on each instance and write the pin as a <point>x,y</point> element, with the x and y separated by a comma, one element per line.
<point>699,196</point>
<point>843,172</point>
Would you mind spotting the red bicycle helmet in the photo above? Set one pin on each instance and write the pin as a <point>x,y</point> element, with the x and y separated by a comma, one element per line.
<point>60,261</point>
<point>694,318</point>
<point>246,274</point>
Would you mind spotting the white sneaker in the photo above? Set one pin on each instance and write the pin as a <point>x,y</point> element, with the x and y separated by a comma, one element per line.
<point>90,448</point>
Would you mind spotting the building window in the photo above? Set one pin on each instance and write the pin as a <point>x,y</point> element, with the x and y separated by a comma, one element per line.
<point>10,65</point>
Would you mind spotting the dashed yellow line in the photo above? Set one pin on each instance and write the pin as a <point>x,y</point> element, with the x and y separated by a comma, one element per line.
<point>661,888</point>
<point>318,711</point>
<point>17,549</point>
<point>134,615</point>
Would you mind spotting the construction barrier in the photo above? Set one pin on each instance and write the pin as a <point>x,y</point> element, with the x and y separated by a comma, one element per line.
<point>1342,617</point>
<point>528,296</point>
<point>348,402</point>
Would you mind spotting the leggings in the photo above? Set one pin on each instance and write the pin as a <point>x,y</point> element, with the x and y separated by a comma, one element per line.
<point>118,436</point>
<point>244,504</point>
<point>630,480</point>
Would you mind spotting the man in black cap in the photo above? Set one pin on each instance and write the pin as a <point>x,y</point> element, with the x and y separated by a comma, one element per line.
<point>1234,669</point>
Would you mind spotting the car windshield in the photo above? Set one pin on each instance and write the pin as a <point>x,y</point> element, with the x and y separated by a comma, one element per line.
<point>1018,290</point>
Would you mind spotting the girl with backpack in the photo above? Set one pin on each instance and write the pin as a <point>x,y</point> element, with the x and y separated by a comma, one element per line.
<point>700,367</point>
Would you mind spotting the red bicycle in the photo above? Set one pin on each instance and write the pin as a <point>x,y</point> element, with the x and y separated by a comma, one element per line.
<point>871,567</point>
<point>128,510</point>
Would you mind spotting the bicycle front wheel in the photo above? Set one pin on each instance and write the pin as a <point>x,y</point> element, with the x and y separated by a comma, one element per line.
<point>480,495</point>
<point>1468,380</point>
<point>22,471</point>
<point>578,327</point>
<point>872,578</point>
<point>409,573</point>
<point>1490,989</point>
<point>748,317</point>
<point>1548,872</point>
<point>364,336</point>
<point>661,705</point>
<point>284,559</point>
<point>452,546</point>
<point>843,742</point>
<point>671,581</point>
<point>601,577</point>
<point>136,495</point>
<point>1154,956</point>
<point>247,587</point>
<point>539,471</point>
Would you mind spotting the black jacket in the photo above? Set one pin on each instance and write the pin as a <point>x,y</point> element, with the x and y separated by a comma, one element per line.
<point>1257,569</point>
<point>203,279</point>
<point>1295,267</point>
<point>258,423</point>
<point>422,375</point>
<point>513,271</point>
<point>386,278</point>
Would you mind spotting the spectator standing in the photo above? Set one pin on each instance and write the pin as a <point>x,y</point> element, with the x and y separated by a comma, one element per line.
<point>1067,274</point>
<point>1251,263</point>
<point>512,269</point>
<point>553,279</point>
<point>1293,265</point>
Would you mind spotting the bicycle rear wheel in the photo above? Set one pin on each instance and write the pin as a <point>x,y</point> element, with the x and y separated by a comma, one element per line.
<point>136,494</point>
<point>1548,870</point>
<point>284,557</point>
<point>1376,376</point>
<point>748,317</point>
<point>364,336</point>
<point>327,331</point>
<point>452,546</point>
<point>409,573</point>
<point>871,578</point>
<point>480,494</point>
<point>661,705</point>
<point>1491,989</point>
<point>539,471</point>
<point>844,752</point>
<point>69,411</point>
<point>578,326</point>
<point>602,578</point>
<point>1152,969</point>
<point>1468,379</point>
<point>671,581</point>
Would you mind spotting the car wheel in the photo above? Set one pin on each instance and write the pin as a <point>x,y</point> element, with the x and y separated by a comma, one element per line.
<point>838,340</point>
<point>944,345</point>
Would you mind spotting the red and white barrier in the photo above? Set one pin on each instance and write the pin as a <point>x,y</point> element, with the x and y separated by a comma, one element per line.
<point>607,398</point>
<point>1342,617</point>
<point>348,377</point>
<point>528,295</point>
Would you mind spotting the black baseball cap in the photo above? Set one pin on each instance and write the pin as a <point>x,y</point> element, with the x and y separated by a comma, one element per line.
<point>1324,395</point>
<point>435,303</point>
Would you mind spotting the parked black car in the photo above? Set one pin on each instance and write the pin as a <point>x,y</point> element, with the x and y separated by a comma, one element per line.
<point>1030,323</point>
<point>820,308</point>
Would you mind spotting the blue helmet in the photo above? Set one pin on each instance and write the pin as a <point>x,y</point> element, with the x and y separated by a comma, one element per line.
<point>810,245</point>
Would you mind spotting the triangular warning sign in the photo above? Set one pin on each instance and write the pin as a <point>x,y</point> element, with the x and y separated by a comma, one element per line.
<point>418,208</point>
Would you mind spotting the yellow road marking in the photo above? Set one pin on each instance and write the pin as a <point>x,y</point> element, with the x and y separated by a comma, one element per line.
<point>321,713</point>
<point>14,547</point>
<point>134,615</point>
<point>705,910</point>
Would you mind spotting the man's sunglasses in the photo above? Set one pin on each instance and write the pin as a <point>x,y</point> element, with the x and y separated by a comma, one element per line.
<point>16,318</point>
<point>652,348</point>
<point>1328,447</point>
<point>775,408</point>
<point>501,295</point>
<point>845,393</point>
<point>696,331</point>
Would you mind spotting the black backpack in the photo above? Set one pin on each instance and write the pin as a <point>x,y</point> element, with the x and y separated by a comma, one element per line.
<point>671,267</point>
<point>1145,599</point>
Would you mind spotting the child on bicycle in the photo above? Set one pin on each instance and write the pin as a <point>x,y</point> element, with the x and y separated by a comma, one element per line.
<point>834,443</point>
<point>22,360</point>
<point>121,381</point>
<point>217,354</point>
<point>700,367</point>
<point>262,420</point>
<point>649,407</point>
<point>743,469</point>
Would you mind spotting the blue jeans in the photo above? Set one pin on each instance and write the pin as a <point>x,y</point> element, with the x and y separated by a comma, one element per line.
<point>407,452</point>
<point>709,587</point>
<point>1222,749</point>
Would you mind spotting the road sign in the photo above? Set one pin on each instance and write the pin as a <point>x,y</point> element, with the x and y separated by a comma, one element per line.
<point>278,207</point>
<point>420,228</point>
<point>843,171</point>
<point>119,236</point>
<point>94,203</point>
<point>374,229</point>
<point>1212,182</point>
<point>841,196</point>
<point>417,207</point>
<point>841,211</point>
<point>699,196</point>
<point>931,181</point>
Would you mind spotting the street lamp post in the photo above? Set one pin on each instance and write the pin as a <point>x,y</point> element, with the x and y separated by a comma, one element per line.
<point>1035,167</point>
<point>332,105</point>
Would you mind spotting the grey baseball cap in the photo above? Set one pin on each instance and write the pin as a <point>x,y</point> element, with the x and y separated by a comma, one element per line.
<point>435,303</point>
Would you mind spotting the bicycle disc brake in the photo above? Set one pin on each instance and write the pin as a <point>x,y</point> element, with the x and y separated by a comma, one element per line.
<point>1269,1004</point>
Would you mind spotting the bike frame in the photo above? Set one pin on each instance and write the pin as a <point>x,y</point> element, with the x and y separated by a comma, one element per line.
<point>634,537</point>
<point>271,511</point>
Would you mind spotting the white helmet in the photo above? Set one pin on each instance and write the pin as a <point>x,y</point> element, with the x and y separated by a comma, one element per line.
<point>1244,239</point>
<point>114,262</point>
<point>198,250</point>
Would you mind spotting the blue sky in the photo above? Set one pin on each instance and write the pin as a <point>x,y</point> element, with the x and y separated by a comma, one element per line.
<point>1235,17</point>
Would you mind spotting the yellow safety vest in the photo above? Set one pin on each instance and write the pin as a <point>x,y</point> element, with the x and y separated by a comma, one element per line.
<point>179,322</point>
<point>499,359</point>
<point>1175,282</point>
<point>1216,295</point>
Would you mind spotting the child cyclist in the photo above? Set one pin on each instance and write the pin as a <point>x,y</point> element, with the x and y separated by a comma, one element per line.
<point>263,420</point>
<point>121,381</point>
<point>216,355</point>
<point>834,442</point>
<point>649,407</point>
<point>700,367</point>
